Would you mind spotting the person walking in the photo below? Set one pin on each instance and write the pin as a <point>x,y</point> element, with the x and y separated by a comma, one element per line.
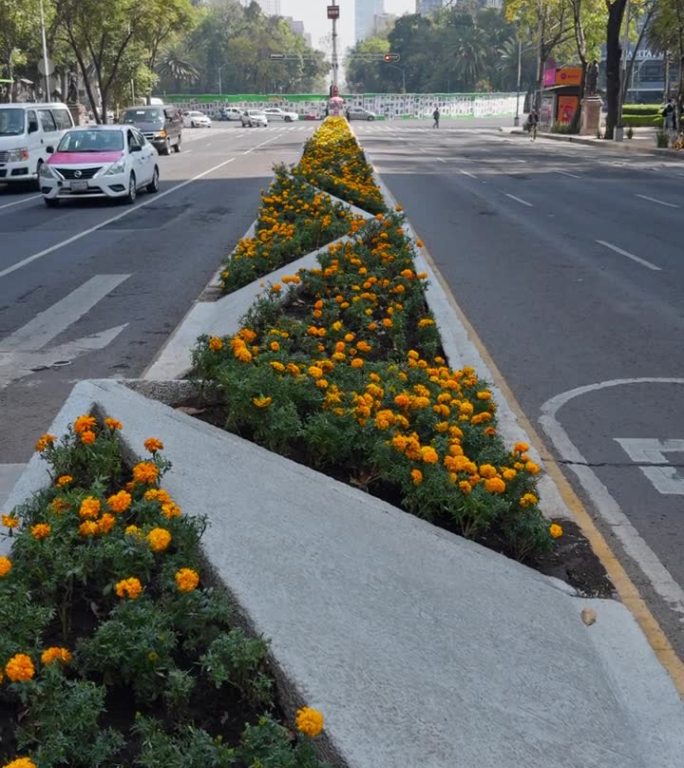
<point>532,123</point>
<point>668,113</point>
<point>435,116</point>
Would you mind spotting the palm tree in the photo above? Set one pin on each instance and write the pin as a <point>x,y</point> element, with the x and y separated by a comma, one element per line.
<point>173,66</point>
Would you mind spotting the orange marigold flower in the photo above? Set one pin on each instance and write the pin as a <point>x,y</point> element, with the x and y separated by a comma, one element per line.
<point>153,444</point>
<point>487,470</point>
<point>44,442</point>
<point>5,565</point>
<point>170,510</point>
<point>55,653</point>
<point>9,521</point>
<point>532,468</point>
<point>465,487</point>
<point>90,508</point>
<point>145,472</point>
<point>521,448</point>
<point>133,530</point>
<point>106,523</point>
<point>262,401</point>
<point>416,476</point>
<point>21,762</point>
<point>484,395</point>
<point>555,530</point>
<point>528,500</point>
<point>88,528</point>
<point>59,505</point>
<point>310,721</point>
<point>158,539</point>
<point>357,362</point>
<point>131,588</point>
<point>113,424</point>
<point>63,480</point>
<point>120,502</point>
<point>40,531</point>
<point>158,494</point>
<point>495,485</point>
<point>20,668</point>
<point>187,580</point>
<point>88,437</point>
<point>420,243</point>
<point>84,423</point>
<point>215,344</point>
<point>429,455</point>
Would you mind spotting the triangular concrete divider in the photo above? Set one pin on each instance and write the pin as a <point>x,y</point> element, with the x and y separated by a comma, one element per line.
<point>422,649</point>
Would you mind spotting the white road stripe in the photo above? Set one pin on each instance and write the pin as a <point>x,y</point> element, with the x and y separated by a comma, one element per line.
<point>47,325</point>
<point>468,173</point>
<point>125,213</point>
<point>629,255</point>
<point>567,173</point>
<point>519,200</point>
<point>19,202</point>
<point>659,202</point>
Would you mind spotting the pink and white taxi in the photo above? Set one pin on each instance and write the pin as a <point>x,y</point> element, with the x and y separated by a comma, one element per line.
<point>99,161</point>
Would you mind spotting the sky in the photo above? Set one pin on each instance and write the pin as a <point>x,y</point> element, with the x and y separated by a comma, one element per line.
<point>314,15</point>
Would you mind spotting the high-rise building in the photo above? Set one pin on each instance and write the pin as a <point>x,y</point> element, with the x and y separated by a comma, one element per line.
<point>425,7</point>
<point>366,11</point>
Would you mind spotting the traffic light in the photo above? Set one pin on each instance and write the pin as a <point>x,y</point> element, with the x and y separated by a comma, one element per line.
<point>391,57</point>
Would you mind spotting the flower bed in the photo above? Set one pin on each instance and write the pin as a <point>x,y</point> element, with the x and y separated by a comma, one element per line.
<point>114,649</point>
<point>342,369</point>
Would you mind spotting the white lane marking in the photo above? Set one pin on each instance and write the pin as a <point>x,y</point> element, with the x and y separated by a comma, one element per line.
<point>629,255</point>
<point>48,324</point>
<point>119,216</point>
<point>635,547</point>
<point>519,200</point>
<point>567,173</point>
<point>19,202</point>
<point>655,200</point>
<point>645,450</point>
<point>467,173</point>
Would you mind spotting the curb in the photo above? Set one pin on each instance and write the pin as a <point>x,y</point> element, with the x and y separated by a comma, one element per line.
<point>623,146</point>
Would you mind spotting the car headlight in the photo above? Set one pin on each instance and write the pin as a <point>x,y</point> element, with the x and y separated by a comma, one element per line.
<point>118,167</point>
<point>46,172</point>
<point>17,155</point>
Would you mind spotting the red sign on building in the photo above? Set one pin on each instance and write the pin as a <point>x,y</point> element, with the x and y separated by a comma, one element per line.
<point>333,11</point>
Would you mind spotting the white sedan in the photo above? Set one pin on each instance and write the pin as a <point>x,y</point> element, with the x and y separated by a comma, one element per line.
<point>196,120</point>
<point>112,161</point>
<point>275,113</point>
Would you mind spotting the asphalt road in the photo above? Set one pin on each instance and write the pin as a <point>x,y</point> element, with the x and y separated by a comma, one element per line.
<point>569,263</point>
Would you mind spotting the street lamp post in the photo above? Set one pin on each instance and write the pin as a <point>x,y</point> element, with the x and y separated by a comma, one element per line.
<point>620,127</point>
<point>334,15</point>
<point>220,84</point>
<point>516,119</point>
<point>45,56</point>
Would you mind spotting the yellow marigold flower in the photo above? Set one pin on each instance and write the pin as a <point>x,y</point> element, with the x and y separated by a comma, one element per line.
<point>5,565</point>
<point>158,539</point>
<point>131,588</point>
<point>187,580</point>
<point>63,480</point>
<point>555,530</point>
<point>88,437</point>
<point>133,530</point>
<point>278,367</point>
<point>532,468</point>
<point>21,762</point>
<point>274,346</point>
<point>487,470</point>
<point>262,402</point>
<point>88,528</point>
<point>158,494</point>
<point>315,372</point>
<point>44,442</point>
<point>55,653</point>
<point>521,448</point>
<point>357,362</point>
<point>528,500</point>
<point>170,510</point>
<point>84,423</point>
<point>484,395</point>
<point>153,444</point>
<point>113,424</point>
<point>215,344</point>
<point>509,474</point>
<point>429,455</point>
<point>40,531</point>
<point>20,668</point>
<point>495,485</point>
<point>120,502</point>
<point>9,521</point>
<point>145,472</point>
<point>309,721</point>
<point>106,523</point>
<point>276,288</point>
<point>416,476</point>
<point>90,508</point>
<point>426,322</point>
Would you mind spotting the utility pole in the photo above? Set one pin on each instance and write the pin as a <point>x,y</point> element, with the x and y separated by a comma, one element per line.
<point>620,127</point>
<point>516,119</point>
<point>46,65</point>
<point>334,15</point>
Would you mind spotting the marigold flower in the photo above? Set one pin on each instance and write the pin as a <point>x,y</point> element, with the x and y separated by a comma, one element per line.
<point>215,344</point>
<point>429,455</point>
<point>106,523</point>
<point>5,565</point>
<point>21,762</point>
<point>9,521</point>
<point>465,487</point>
<point>40,531</point>
<point>357,362</point>
<point>55,653</point>
<point>420,243</point>
<point>187,580</point>
<point>416,476</point>
<point>262,401</point>
<point>495,485</point>
<point>158,494</point>
<point>59,505</point>
<point>44,442</point>
<point>171,510</point>
<point>88,528</point>
<point>131,588</point>
<point>84,423</point>
<point>152,444</point>
<point>88,437</point>
<point>521,448</point>
<point>63,480</point>
<point>555,530</point>
<point>528,500</point>
<point>90,508</point>
<point>158,539</point>
<point>487,470</point>
<point>309,721</point>
<point>113,424</point>
<point>133,530</point>
<point>20,668</point>
<point>532,468</point>
<point>145,472</point>
<point>119,502</point>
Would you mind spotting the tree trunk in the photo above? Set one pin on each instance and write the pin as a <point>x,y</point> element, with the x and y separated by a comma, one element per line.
<point>616,11</point>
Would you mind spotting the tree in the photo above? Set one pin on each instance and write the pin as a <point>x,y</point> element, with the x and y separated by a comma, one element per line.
<point>19,31</point>
<point>666,35</point>
<point>365,74</point>
<point>616,12</point>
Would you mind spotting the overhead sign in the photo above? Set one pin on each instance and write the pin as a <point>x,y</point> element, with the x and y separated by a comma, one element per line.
<point>333,11</point>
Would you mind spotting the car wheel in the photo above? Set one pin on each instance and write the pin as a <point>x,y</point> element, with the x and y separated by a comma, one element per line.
<point>153,186</point>
<point>51,202</point>
<point>177,145</point>
<point>132,189</point>
<point>288,119</point>
<point>371,118</point>
<point>167,147</point>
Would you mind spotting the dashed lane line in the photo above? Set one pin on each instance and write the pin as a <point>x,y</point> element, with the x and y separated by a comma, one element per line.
<point>659,202</point>
<point>19,202</point>
<point>519,200</point>
<point>629,255</point>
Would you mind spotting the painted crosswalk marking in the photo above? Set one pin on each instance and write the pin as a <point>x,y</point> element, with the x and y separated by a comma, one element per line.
<point>647,452</point>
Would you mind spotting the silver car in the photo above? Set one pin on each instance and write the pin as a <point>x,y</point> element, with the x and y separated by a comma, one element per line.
<point>254,118</point>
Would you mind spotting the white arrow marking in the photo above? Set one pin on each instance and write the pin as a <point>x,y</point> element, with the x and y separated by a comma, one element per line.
<point>47,325</point>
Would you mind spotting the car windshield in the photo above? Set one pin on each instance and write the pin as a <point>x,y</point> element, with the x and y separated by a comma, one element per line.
<point>91,141</point>
<point>11,121</point>
<point>143,115</point>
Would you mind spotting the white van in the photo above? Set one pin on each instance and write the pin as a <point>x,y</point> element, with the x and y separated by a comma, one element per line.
<point>26,130</point>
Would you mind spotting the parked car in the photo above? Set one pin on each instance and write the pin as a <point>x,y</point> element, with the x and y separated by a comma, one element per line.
<point>113,161</point>
<point>196,119</point>
<point>276,113</point>
<point>359,113</point>
<point>162,126</point>
<point>254,118</point>
<point>25,131</point>
<point>309,116</point>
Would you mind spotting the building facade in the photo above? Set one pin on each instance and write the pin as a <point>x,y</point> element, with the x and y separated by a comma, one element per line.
<point>365,13</point>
